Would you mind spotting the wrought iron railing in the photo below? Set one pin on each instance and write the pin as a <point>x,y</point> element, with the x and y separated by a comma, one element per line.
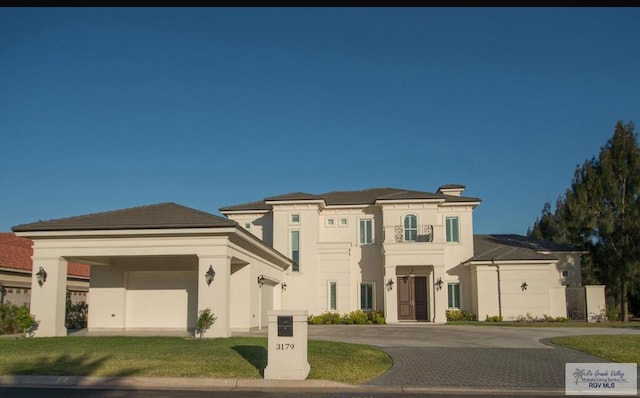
<point>422,233</point>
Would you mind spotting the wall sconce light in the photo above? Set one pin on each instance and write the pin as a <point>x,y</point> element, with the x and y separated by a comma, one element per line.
<point>261,280</point>
<point>389,284</point>
<point>439,283</point>
<point>41,276</point>
<point>209,275</point>
<point>524,286</point>
<point>283,286</point>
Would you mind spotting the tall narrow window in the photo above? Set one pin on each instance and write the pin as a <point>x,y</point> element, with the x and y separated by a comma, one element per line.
<point>410,228</point>
<point>333,296</point>
<point>295,250</point>
<point>453,234</point>
<point>366,231</point>
<point>366,296</point>
<point>453,293</point>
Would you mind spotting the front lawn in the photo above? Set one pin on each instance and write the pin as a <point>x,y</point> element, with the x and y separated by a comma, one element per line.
<point>235,357</point>
<point>622,349</point>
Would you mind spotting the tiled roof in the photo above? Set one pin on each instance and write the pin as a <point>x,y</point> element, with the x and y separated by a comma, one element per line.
<point>158,216</point>
<point>514,247</point>
<point>362,197</point>
<point>294,196</point>
<point>16,252</point>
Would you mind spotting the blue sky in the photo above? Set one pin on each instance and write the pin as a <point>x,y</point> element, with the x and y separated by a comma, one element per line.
<point>109,108</point>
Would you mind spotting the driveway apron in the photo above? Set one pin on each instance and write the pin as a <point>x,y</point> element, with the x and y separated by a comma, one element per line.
<point>442,356</point>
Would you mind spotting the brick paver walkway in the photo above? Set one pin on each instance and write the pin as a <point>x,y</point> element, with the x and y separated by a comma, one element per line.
<point>496,368</point>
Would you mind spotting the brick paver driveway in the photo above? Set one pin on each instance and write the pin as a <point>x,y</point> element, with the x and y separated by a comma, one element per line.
<point>441,356</point>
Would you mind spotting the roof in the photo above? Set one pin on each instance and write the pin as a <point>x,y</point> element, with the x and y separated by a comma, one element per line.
<point>361,197</point>
<point>159,216</point>
<point>515,247</point>
<point>16,252</point>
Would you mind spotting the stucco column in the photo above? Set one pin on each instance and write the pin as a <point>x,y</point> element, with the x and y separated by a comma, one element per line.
<point>439,295</point>
<point>48,302</point>
<point>217,295</point>
<point>391,296</point>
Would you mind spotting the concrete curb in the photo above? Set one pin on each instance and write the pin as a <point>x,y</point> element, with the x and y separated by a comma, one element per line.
<point>165,383</point>
<point>194,383</point>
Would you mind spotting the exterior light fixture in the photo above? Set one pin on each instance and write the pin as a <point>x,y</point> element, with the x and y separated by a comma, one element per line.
<point>261,280</point>
<point>41,276</point>
<point>389,284</point>
<point>524,286</point>
<point>438,283</point>
<point>209,275</point>
<point>283,286</point>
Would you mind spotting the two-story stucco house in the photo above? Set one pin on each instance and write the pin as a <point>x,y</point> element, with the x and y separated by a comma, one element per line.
<point>410,254</point>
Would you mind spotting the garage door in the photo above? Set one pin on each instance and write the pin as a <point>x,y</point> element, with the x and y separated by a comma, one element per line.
<point>160,300</point>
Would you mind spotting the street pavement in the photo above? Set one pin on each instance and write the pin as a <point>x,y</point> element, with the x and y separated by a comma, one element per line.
<point>427,359</point>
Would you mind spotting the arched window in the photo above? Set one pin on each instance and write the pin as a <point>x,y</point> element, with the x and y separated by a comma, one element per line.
<point>410,228</point>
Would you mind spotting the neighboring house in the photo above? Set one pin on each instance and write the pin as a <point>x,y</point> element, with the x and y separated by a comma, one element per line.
<point>16,271</point>
<point>410,254</point>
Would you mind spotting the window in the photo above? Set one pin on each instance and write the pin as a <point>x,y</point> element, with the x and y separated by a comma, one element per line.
<point>344,222</point>
<point>410,228</point>
<point>333,300</point>
<point>247,225</point>
<point>453,294</point>
<point>452,229</point>
<point>295,250</point>
<point>366,231</point>
<point>331,222</point>
<point>295,219</point>
<point>366,296</point>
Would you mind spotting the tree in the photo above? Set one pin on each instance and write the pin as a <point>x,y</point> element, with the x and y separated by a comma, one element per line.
<point>601,212</point>
<point>206,319</point>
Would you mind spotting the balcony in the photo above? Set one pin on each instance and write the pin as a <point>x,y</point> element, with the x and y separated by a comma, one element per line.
<point>422,233</point>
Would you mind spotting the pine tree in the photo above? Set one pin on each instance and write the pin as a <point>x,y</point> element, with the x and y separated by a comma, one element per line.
<point>601,212</point>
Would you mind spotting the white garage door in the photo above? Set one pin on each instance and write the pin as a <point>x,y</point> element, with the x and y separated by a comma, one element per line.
<point>159,299</point>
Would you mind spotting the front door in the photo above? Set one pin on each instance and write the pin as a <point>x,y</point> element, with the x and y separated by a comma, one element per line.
<point>412,298</point>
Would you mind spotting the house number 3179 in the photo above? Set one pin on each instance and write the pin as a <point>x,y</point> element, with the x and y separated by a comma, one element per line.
<point>286,346</point>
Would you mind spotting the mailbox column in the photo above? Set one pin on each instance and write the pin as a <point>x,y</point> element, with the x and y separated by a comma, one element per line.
<point>287,351</point>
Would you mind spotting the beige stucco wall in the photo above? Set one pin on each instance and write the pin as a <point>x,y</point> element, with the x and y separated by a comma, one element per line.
<point>544,293</point>
<point>332,252</point>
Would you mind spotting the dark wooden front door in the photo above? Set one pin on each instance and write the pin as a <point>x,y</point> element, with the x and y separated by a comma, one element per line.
<point>412,298</point>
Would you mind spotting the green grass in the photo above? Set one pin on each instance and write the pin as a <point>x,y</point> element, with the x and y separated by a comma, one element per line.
<point>622,349</point>
<point>235,357</point>
<point>612,324</point>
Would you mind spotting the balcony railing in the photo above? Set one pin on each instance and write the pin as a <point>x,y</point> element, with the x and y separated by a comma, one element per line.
<point>422,233</point>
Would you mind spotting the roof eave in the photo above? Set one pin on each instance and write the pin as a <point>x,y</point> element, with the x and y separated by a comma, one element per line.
<point>124,232</point>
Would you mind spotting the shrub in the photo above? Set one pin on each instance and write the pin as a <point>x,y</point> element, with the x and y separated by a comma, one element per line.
<point>459,315</point>
<point>358,317</point>
<point>376,317</point>
<point>26,321</point>
<point>76,314</point>
<point>495,318</point>
<point>8,323</point>
<point>206,319</point>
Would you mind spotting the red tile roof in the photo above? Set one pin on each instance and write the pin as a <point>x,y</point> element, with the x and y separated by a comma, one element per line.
<point>16,252</point>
